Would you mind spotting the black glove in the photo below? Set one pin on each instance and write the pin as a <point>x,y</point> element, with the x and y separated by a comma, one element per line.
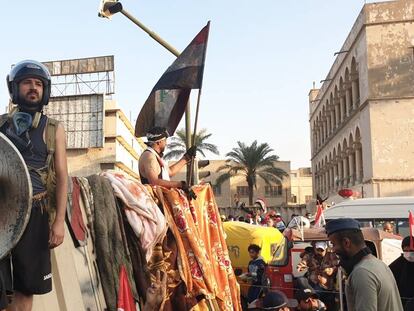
<point>188,191</point>
<point>190,153</point>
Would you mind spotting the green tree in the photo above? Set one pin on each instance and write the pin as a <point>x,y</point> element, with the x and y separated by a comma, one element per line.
<point>176,148</point>
<point>251,162</point>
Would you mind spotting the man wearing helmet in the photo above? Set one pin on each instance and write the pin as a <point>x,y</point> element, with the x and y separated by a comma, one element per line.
<point>29,85</point>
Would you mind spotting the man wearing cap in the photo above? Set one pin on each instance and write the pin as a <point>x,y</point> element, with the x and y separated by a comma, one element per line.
<point>312,261</point>
<point>403,270</point>
<point>317,260</point>
<point>308,300</point>
<point>152,168</point>
<point>370,284</point>
<point>277,301</point>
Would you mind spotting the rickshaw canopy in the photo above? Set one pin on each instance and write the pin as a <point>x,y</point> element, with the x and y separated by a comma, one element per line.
<point>240,235</point>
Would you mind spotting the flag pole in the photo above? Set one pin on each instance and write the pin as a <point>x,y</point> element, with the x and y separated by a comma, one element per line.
<point>197,110</point>
<point>193,140</point>
<point>174,51</point>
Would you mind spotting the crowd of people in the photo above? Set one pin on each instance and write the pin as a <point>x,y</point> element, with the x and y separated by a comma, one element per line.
<point>368,283</point>
<point>261,216</point>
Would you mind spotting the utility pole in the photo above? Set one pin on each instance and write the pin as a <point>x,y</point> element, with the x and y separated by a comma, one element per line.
<point>111,7</point>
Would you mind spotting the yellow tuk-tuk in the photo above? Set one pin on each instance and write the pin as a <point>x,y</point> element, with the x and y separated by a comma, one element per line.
<point>239,235</point>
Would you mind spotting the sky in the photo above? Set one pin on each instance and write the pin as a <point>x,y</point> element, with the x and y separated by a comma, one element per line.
<point>262,57</point>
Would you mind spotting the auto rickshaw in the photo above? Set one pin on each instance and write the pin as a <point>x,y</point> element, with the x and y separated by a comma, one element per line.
<point>239,235</point>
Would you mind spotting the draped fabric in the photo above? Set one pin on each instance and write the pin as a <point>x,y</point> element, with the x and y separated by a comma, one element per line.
<point>111,251</point>
<point>74,215</point>
<point>88,203</point>
<point>142,213</point>
<point>193,252</point>
<point>204,263</point>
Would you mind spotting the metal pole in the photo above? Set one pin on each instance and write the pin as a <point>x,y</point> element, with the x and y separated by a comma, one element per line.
<point>193,141</point>
<point>170,48</point>
<point>152,34</point>
<point>196,117</point>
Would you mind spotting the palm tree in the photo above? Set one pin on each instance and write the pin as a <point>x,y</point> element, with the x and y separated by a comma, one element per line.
<point>177,146</point>
<point>251,162</point>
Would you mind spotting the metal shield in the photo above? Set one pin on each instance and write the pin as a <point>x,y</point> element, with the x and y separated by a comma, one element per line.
<point>15,195</point>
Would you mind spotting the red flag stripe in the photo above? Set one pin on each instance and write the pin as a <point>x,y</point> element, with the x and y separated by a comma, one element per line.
<point>319,218</point>
<point>125,298</point>
<point>201,38</point>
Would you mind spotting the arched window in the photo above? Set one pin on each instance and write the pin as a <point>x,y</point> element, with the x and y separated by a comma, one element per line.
<point>348,93</point>
<point>352,160</point>
<point>345,162</point>
<point>355,83</point>
<point>342,102</point>
<point>340,167</point>
<point>358,157</point>
<point>337,105</point>
<point>333,112</point>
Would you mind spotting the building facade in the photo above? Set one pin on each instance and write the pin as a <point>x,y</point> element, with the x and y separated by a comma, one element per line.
<point>361,119</point>
<point>99,136</point>
<point>120,150</point>
<point>301,186</point>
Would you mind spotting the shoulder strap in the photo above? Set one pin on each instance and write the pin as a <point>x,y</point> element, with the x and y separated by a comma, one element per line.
<point>51,128</point>
<point>3,119</point>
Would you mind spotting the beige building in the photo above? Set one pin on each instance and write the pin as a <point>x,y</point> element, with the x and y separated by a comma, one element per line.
<point>277,196</point>
<point>301,185</point>
<point>361,119</point>
<point>120,150</point>
<point>114,145</point>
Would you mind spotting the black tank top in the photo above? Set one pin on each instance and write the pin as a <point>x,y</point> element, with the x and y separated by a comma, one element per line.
<point>35,156</point>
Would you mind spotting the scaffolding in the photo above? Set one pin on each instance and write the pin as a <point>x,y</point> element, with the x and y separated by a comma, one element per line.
<point>83,76</point>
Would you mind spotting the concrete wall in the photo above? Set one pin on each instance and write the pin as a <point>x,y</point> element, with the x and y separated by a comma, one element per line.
<point>392,130</point>
<point>84,162</point>
<point>390,60</point>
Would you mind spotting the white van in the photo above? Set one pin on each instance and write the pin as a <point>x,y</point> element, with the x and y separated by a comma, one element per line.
<point>374,212</point>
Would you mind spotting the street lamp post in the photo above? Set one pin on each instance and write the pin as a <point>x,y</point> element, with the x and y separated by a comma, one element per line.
<point>111,7</point>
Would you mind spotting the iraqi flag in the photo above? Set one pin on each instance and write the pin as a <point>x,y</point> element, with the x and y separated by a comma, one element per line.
<point>167,102</point>
<point>411,224</point>
<point>319,218</point>
<point>125,300</point>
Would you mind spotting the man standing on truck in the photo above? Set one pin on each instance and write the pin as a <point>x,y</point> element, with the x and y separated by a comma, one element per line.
<point>152,168</point>
<point>370,284</point>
